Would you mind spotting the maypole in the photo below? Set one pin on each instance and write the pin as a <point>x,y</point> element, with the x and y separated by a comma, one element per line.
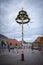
<point>22,16</point>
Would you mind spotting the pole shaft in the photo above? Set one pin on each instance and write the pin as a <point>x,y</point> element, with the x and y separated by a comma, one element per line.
<point>22,31</point>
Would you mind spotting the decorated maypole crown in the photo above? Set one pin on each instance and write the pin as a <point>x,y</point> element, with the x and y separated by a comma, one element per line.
<point>22,15</point>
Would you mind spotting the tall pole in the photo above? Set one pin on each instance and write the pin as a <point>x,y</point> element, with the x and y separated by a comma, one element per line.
<point>22,53</point>
<point>22,16</point>
<point>22,28</point>
<point>22,31</point>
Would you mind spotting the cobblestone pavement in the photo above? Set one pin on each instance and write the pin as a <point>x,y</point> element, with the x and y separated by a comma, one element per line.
<point>14,58</point>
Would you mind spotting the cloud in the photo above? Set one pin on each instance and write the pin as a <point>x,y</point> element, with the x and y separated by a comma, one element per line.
<point>8,12</point>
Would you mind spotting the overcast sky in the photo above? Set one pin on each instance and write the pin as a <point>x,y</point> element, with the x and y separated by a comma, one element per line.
<point>8,12</point>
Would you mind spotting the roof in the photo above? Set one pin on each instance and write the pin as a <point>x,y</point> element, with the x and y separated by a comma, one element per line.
<point>13,41</point>
<point>39,39</point>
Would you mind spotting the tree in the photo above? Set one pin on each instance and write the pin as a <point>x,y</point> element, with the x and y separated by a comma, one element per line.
<point>3,43</point>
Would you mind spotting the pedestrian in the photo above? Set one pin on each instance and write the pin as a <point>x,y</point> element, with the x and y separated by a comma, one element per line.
<point>8,45</point>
